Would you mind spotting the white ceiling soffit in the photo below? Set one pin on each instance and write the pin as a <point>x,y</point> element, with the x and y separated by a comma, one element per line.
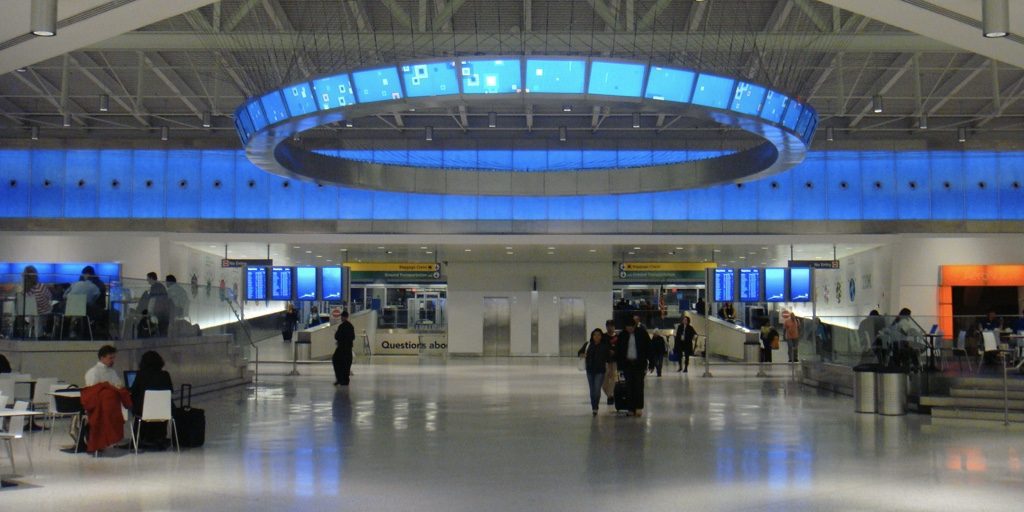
<point>955,22</point>
<point>80,23</point>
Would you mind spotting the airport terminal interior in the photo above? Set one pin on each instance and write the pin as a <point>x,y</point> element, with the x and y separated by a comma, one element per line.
<point>374,240</point>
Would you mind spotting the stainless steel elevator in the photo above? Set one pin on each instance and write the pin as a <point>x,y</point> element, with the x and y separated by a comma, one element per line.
<point>572,325</point>
<point>497,330</point>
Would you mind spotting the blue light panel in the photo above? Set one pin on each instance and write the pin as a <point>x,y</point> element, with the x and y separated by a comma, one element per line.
<point>242,135</point>
<point>750,285</point>
<point>374,85</point>
<point>555,76</point>
<point>255,283</point>
<point>259,121</point>
<point>616,78</point>
<point>774,106</point>
<point>799,285</point>
<point>430,79</point>
<point>300,99</point>
<point>330,283</point>
<point>775,284</point>
<point>305,283</point>
<point>491,76</point>
<point>333,92</point>
<point>805,120</point>
<point>792,115</point>
<point>243,115</point>
<point>281,283</point>
<point>668,84</point>
<point>713,91</point>
<point>725,284</point>
<point>809,132</point>
<point>747,98</point>
<point>274,107</point>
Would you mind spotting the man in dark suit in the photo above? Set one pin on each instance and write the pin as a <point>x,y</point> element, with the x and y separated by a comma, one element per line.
<point>632,353</point>
<point>342,358</point>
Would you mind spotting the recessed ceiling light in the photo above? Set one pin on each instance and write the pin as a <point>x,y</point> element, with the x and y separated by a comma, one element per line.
<point>679,248</point>
<point>213,247</point>
<point>380,247</point>
<point>330,261</point>
<point>508,248</point>
<point>319,256</point>
<point>671,253</point>
<point>309,252</point>
<point>468,250</point>
<point>430,252</point>
<point>817,257</point>
<point>390,252</point>
<point>718,250</point>
<point>593,250</point>
<point>296,247</point>
<point>636,248</point>
<point>510,253</point>
<point>551,248</point>
<point>764,247</point>
<point>743,257</point>
<point>423,247</point>
<point>550,253</point>
<point>631,253</point>
<point>344,250</point>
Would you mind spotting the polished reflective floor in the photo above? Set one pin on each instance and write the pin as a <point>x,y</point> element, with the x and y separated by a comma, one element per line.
<point>472,435</point>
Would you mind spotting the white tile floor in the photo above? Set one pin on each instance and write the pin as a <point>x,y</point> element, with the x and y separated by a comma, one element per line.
<point>518,435</point>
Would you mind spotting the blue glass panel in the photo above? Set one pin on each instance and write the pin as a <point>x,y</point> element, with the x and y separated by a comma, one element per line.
<point>600,159</point>
<point>792,116</point>
<point>374,85</point>
<point>331,283</point>
<point>281,283</point>
<point>555,76</point>
<point>255,283</point>
<point>426,158</point>
<point>491,76</point>
<point>1011,185</point>
<point>725,284</point>
<point>530,160</point>
<point>705,203</point>
<point>425,207</point>
<point>713,91</point>
<point>251,192</point>
<point>616,78</point>
<point>300,99</point>
<point>670,84</point>
<point>811,127</point>
<point>256,115</point>
<point>47,194</point>
<point>810,188</point>
<point>981,194</point>
<point>460,159</point>
<point>805,120</point>
<point>183,183</point>
<point>740,202</point>
<point>750,285</point>
<point>430,79</point>
<point>844,185</point>
<point>496,208</point>
<point>565,208</point>
<point>218,186</point>
<point>565,159</point>
<point>274,107</point>
<point>636,206</point>
<point>390,205</point>
<point>115,186</point>
<point>529,208</point>
<point>305,283</point>
<point>667,156</point>
<point>774,105</point>
<point>775,197</point>
<point>878,191</point>
<point>353,203</point>
<point>913,185</point>
<point>108,271</point>
<point>81,185</point>
<point>148,199</point>
<point>242,136</point>
<point>600,208</point>
<point>635,158</point>
<point>285,201</point>
<point>671,205</point>
<point>799,285</point>
<point>322,202</point>
<point>747,98</point>
<point>334,91</point>
<point>947,185</point>
<point>243,115</point>
<point>495,158</point>
<point>15,182</point>
<point>391,156</point>
<point>774,284</point>
<point>462,207</point>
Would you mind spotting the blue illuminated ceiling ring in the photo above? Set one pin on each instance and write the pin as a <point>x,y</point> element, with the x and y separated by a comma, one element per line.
<point>267,123</point>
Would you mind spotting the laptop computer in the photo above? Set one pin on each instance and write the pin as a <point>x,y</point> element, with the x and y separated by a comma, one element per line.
<point>129,377</point>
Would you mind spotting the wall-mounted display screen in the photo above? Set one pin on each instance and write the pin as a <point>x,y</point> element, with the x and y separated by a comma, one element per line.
<point>243,116</point>
<point>377,85</point>
<point>774,106</point>
<point>300,99</point>
<point>49,273</point>
<point>430,79</point>
<point>555,76</point>
<point>305,283</point>
<point>800,285</point>
<point>668,84</point>
<point>333,92</point>
<point>747,98</point>
<point>750,285</point>
<point>491,76</point>
<point>725,284</point>
<point>273,106</point>
<point>775,284</point>
<point>259,121</point>
<point>281,283</point>
<point>330,283</point>
<point>792,116</point>
<point>616,78</point>
<point>805,120</point>
<point>242,134</point>
<point>713,91</point>
<point>255,283</point>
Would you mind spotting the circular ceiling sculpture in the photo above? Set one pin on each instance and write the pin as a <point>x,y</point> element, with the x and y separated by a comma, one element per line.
<point>533,166</point>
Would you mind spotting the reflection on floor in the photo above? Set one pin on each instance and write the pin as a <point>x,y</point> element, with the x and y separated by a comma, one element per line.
<point>518,435</point>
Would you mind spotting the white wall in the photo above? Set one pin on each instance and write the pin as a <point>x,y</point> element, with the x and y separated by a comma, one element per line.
<point>470,283</point>
<point>871,274</point>
<point>137,252</point>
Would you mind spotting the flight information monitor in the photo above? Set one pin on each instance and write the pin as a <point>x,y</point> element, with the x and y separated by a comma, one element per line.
<point>305,283</point>
<point>668,84</point>
<point>255,283</point>
<point>430,79</point>
<point>800,285</point>
<point>491,76</point>
<point>555,76</point>
<point>300,99</point>
<point>774,106</point>
<point>377,85</point>
<point>281,283</point>
<point>775,284</point>
<point>750,285</point>
<point>616,78</point>
<point>259,121</point>
<point>792,115</point>
<point>725,284</point>
<point>333,92</point>
<point>713,91</point>
<point>330,283</point>
<point>747,98</point>
<point>273,105</point>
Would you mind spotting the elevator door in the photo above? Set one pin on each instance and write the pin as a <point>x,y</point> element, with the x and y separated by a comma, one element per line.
<point>572,325</point>
<point>497,336</point>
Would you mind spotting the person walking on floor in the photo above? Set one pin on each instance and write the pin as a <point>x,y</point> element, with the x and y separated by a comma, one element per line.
<point>657,352</point>
<point>685,336</point>
<point>597,352</point>
<point>611,373</point>
<point>632,354</point>
<point>791,330</point>
<point>342,358</point>
<point>289,320</point>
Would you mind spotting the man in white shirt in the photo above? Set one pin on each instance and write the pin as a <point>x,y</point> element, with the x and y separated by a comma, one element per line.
<point>84,287</point>
<point>104,371</point>
<point>178,295</point>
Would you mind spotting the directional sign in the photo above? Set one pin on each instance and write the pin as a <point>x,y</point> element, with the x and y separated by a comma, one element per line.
<point>815,264</point>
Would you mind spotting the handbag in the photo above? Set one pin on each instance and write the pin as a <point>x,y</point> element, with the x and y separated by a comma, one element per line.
<point>581,364</point>
<point>775,343</point>
<point>673,356</point>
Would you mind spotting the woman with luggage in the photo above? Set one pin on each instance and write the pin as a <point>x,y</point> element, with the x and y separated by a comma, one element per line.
<point>597,353</point>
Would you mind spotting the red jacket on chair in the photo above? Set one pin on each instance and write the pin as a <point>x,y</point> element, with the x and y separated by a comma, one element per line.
<point>102,403</point>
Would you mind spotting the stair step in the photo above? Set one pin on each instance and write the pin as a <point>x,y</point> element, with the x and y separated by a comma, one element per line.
<point>975,414</point>
<point>985,393</point>
<point>1014,383</point>
<point>971,402</point>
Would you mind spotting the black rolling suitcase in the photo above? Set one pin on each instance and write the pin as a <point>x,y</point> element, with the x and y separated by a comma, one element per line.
<point>190,422</point>
<point>621,395</point>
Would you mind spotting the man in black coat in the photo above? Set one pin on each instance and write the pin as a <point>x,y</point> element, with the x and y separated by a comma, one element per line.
<point>342,358</point>
<point>632,353</point>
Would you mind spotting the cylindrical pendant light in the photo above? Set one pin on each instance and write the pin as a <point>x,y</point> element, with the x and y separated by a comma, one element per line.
<point>876,104</point>
<point>35,133</point>
<point>429,133</point>
<point>67,120</point>
<point>104,103</point>
<point>207,120</point>
<point>636,119</point>
<point>165,133</point>
<point>995,18</point>
<point>562,135</point>
<point>922,122</point>
<point>492,119</point>
<point>830,134</point>
<point>961,134</point>
<point>44,18</point>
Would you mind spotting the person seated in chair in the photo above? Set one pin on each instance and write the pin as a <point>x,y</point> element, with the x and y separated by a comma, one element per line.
<point>102,399</point>
<point>151,376</point>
